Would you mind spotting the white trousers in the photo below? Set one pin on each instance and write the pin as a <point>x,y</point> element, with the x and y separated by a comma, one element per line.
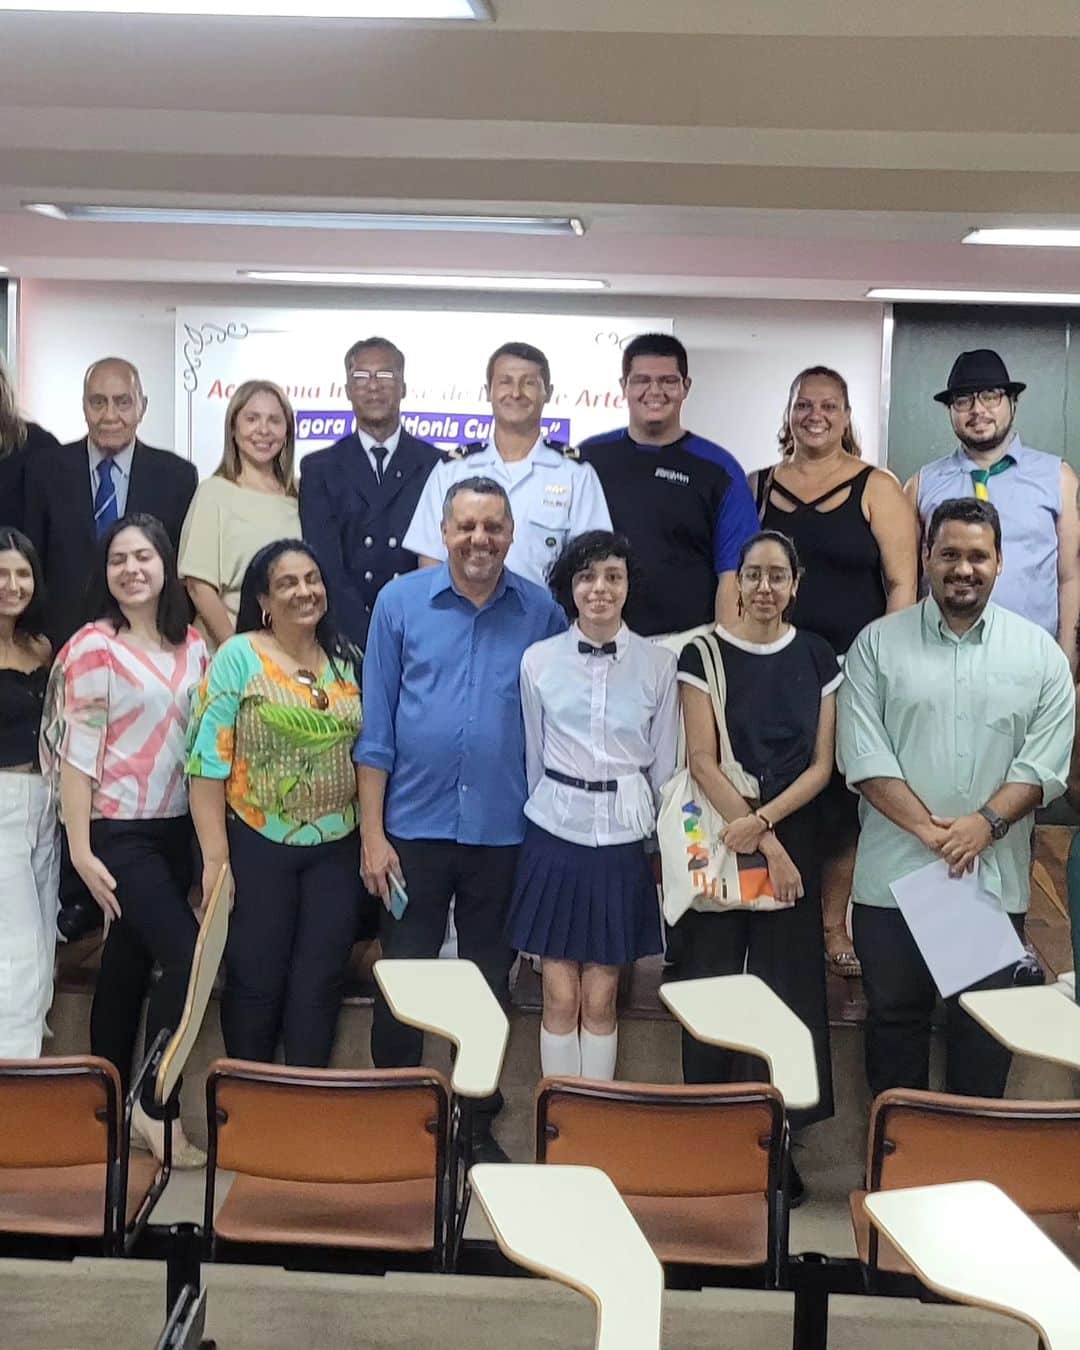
<point>29,902</point>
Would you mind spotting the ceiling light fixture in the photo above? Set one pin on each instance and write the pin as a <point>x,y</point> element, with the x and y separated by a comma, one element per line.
<point>1026,238</point>
<point>912,295</point>
<point>469,10</point>
<point>306,220</point>
<point>428,281</point>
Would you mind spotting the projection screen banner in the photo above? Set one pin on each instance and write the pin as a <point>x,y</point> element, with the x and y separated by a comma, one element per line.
<point>445,356</point>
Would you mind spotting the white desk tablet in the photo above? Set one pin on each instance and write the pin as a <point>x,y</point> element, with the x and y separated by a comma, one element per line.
<point>1041,1021</point>
<point>741,1012</point>
<point>969,1241</point>
<point>572,1225</point>
<point>451,999</point>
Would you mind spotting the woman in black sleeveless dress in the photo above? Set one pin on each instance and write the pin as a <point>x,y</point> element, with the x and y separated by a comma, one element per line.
<point>857,536</point>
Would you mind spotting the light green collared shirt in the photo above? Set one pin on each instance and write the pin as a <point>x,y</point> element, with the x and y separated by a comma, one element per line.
<point>955,718</point>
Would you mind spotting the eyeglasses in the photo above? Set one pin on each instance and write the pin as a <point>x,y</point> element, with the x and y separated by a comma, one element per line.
<point>775,577</point>
<point>366,376</point>
<point>989,398</point>
<point>320,699</point>
<point>669,383</point>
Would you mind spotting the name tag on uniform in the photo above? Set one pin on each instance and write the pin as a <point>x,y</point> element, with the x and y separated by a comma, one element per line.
<point>556,489</point>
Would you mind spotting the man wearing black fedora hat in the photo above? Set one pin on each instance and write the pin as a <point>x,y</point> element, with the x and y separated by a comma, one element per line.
<point>1035,495</point>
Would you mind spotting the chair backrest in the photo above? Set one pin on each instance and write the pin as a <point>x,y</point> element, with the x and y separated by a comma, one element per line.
<point>59,1112</point>
<point>712,1140</point>
<point>326,1125</point>
<point>209,949</point>
<point>1030,1150</point>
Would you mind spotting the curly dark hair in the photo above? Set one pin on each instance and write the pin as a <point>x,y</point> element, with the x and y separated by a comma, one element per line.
<point>582,551</point>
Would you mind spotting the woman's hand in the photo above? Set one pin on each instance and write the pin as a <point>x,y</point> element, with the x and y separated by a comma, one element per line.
<point>744,834</point>
<point>786,880</point>
<point>211,871</point>
<point>99,881</point>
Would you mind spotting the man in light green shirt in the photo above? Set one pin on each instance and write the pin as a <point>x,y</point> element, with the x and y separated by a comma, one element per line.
<point>955,721</point>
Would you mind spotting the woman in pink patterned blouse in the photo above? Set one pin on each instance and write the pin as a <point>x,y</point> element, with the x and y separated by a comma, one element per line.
<point>116,722</point>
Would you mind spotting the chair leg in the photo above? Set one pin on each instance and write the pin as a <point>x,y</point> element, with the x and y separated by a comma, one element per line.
<point>809,1280</point>
<point>461,1161</point>
<point>182,1264</point>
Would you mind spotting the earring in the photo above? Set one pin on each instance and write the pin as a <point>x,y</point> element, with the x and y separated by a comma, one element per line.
<point>739,606</point>
<point>266,621</point>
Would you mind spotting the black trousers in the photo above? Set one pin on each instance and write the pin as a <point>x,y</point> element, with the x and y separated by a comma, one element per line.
<point>151,861</point>
<point>785,948</point>
<point>290,935</point>
<point>480,878</point>
<point>901,997</point>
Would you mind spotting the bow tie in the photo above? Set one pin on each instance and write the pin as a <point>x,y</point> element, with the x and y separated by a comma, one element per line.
<point>587,649</point>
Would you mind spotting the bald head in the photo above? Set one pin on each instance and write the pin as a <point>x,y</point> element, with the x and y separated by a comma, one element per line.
<point>113,404</point>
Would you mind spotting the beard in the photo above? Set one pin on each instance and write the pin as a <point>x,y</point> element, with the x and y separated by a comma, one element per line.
<point>987,443</point>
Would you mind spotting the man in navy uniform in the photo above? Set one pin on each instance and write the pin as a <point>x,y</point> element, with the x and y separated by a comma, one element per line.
<point>552,495</point>
<point>358,495</point>
<point>683,501</point>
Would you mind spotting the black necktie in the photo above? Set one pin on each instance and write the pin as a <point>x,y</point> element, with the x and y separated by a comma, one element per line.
<point>587,649</point>
<point>380,452</point>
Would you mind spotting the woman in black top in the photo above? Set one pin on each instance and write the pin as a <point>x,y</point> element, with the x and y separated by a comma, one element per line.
<point>857,536</point>
<point>29,844</point>
<point>781,716</point>
<point>18,441</point>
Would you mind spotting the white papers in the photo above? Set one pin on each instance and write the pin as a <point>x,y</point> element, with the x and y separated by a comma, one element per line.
<point>961,930</point>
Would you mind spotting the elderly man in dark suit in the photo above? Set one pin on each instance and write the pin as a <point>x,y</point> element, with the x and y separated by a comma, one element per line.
<point>358,495</point>
<point>75,492</point>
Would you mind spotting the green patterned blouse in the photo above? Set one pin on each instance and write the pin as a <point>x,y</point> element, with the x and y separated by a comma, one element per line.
<point>287,765</point>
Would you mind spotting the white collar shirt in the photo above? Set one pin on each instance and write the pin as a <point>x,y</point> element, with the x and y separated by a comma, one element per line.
<point>121,472</point>
<point>369,443</point>
<point>599,718</point>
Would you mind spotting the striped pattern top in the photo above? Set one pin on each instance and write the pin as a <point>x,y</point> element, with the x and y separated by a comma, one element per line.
<point>119,714</point>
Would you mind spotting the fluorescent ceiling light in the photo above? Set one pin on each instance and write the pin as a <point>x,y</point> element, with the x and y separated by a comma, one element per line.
<point>1034,238</point>
<point>974,297</point>
<point>260,9</point>
<point>306,220</point>
<point>430,281</point>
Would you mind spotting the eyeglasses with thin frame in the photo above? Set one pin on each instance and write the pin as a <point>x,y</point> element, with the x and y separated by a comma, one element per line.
<point>366,376</point>
<point>775,577</point>
<point>989,398</point>
<point>669,383</point>
<point>320,699</point>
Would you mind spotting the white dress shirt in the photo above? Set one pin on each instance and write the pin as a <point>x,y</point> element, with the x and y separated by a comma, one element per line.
<point>600,718</point>
<point>369,443</point>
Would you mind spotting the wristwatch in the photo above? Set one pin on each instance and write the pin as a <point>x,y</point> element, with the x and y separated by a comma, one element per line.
<point>999,826</point>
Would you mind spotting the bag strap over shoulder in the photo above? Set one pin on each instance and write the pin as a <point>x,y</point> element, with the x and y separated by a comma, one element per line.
<point>712,659</point>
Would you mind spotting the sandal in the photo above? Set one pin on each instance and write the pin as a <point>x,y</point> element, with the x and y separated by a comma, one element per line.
<point>148,1135</point>
<point>842,961</point>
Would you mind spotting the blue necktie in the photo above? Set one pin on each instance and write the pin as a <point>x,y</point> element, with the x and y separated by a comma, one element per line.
<point>105,512</point>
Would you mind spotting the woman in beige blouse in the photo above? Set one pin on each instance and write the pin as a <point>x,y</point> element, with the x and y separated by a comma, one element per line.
<point>250,501</point>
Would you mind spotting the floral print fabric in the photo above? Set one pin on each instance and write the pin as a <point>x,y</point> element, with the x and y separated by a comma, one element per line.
<point>287,765</point>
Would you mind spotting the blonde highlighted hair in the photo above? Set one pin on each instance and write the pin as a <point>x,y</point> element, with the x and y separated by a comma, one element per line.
<point>850,440</point>
<point>12,426</point>
<point>230,466</point>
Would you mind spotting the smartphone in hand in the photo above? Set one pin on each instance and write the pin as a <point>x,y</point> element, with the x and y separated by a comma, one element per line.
<point>399,897</point>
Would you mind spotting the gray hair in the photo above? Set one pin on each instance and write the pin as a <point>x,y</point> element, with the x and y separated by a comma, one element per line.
<point>486,487</point>
<point>124,364</point>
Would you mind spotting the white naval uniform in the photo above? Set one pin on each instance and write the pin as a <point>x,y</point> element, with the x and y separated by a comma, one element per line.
<point>553,497</point>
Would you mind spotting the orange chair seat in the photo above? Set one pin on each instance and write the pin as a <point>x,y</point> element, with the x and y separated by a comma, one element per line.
<point>1062,1229</point>
<point>704,1230</point>
<point>390,1216</point>
<point>67,1201</point>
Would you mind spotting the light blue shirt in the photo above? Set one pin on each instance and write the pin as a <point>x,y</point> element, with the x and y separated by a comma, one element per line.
<point>121,478</point>
<point>955,718</point>
<point>552,497</point>
<point>1028,500</point>
<point>442,705</point>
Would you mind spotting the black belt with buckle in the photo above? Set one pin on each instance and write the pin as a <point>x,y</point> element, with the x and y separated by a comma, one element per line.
<point>601,785</point>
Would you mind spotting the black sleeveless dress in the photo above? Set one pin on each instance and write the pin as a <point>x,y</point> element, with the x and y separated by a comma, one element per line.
<point>842,589</point>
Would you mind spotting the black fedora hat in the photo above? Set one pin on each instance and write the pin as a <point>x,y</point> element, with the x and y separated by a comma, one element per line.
<point>980,369</point>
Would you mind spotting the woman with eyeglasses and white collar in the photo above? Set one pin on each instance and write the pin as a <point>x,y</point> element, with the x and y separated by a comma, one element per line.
<point>273,796</point>
<point>601,723</point>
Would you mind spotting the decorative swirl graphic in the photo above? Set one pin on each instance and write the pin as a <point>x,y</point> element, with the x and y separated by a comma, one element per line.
<point>196,341</point>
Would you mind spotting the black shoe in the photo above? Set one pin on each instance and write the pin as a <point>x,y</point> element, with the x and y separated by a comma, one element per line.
<point>83,916</point>
<point>487,1149</point>
<point>1029,971</point>
<point>796,1189</point>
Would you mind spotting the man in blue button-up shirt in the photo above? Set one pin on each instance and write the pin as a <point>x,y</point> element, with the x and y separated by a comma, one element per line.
<point>442,754</point>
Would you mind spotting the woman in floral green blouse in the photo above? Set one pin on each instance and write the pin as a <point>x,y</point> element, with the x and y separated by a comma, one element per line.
<point>273,795</point>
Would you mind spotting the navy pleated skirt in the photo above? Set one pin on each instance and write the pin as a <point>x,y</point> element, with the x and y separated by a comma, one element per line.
<point>576,903</point>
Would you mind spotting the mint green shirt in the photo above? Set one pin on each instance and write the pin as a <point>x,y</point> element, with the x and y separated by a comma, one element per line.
<point>955,718</point>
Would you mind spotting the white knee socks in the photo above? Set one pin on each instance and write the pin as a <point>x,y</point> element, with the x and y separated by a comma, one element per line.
<point>560,1056</point>
<point>598,1054</point>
